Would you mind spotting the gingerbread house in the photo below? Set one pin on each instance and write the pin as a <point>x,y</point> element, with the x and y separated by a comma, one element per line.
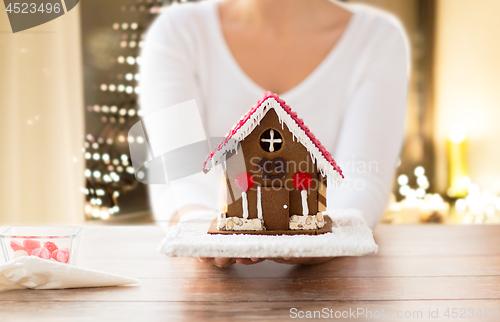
<point>274,174</point>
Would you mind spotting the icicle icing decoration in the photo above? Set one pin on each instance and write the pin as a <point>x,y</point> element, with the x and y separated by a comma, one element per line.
<point>259,203</point>
<point>244,204</point>
<point>250,122</point>
<point>305,208</point>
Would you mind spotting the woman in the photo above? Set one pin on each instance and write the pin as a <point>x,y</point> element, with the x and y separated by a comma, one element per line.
<point>342,68</point>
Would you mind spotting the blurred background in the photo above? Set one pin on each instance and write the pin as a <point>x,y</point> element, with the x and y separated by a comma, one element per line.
<point>69,90</point>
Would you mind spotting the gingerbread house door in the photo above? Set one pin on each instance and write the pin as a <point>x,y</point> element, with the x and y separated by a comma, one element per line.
<point>275,204</point>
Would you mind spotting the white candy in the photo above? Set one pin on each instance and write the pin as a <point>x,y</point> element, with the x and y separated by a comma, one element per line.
<point>20,253</point>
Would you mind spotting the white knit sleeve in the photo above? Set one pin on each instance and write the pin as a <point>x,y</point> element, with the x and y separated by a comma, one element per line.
<point>168,77</point>
<point>373,128</point>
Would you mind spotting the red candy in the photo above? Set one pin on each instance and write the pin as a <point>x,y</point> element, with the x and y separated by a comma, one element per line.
<point>61,255</point>
<point>302,180</point>
<point>244,181</point>
<point>50,246</point>
<point>41,252</point>
<point>30,245</point>
<point>48,251</point>
<point>15,245</point>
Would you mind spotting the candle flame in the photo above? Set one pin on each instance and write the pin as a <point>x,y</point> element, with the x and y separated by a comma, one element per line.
<point>457,133</point>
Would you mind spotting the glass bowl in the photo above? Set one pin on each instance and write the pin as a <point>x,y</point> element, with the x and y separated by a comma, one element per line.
<point>55,243</point>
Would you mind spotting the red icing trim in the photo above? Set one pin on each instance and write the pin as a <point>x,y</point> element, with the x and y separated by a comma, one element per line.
<point>292,114</point>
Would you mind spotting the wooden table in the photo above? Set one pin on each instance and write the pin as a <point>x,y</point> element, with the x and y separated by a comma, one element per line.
<point>418,268</point>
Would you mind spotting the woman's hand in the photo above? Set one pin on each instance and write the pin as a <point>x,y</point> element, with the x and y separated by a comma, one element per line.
<point>302,260</point>
<point>226,262</point>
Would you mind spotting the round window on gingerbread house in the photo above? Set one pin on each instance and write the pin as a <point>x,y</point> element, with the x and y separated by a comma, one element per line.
<point>271,140</point>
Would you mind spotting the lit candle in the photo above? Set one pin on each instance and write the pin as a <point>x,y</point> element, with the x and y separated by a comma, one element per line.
<point>457,162</point>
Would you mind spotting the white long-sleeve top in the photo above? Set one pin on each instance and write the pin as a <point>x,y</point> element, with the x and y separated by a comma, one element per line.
<point>354,101</point>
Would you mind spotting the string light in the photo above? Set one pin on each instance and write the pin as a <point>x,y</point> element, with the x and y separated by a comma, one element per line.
<point>403,179</point>
<point>404,190</point>
<point>114,176</point>
<point>420,193</point>
<point>96,212</point>
<point>419,171</point>
<point>105,214</point>
<point>101,201</point>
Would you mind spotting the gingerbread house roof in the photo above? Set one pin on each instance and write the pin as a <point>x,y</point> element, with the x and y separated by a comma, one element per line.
<point>324,160</point>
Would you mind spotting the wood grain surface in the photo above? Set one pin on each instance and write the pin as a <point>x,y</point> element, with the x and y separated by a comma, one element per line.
<point>418,270</point>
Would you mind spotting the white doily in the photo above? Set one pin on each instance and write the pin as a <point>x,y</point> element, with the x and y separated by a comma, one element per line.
<point>350,236</point>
